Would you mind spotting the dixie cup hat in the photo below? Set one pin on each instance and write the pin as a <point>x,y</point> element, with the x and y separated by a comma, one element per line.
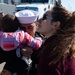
<point>26,16</point>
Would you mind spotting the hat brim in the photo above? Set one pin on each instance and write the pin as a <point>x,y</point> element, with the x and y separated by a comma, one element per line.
<point>27,20</point>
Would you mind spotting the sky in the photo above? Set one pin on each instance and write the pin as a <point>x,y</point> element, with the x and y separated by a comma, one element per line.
<point>69,4</point>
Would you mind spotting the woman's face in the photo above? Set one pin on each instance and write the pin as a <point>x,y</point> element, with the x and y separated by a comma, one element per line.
<point>45,25</point>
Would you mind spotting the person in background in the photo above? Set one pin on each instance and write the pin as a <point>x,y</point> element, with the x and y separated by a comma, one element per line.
<point>30,27</point>
<point>58,51</point>
<point>1,16</point>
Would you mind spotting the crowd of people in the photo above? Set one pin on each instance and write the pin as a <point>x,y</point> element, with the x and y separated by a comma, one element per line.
<point>48,48</point>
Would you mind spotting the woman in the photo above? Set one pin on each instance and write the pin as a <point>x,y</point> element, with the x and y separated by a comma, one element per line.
<point>58,52</point>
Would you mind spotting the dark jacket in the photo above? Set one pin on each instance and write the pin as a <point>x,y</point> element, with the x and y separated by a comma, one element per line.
<point>16,64</point>
<point>65,66</point>
<point>13,63</point>
<point>35,57</point>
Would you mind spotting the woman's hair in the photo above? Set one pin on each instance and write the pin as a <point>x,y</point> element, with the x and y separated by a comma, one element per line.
<point>62,15</point>
<point>9,23</point>
<point>60,45</point>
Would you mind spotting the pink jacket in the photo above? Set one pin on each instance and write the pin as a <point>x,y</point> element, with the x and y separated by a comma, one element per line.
<point>11,40</point>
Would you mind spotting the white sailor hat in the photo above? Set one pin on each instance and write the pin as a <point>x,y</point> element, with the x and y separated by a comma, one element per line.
<point>26,16</point>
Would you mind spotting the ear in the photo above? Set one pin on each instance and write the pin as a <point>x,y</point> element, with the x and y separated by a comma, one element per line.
<point>56,25</point>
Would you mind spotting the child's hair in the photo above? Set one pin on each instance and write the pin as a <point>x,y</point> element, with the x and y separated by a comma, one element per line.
<point>9,23</point>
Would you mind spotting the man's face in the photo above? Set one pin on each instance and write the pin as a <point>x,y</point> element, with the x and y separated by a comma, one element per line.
<point>30,28</point>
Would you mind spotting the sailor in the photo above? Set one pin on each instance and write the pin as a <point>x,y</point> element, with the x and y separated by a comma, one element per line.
<point>28,20</point>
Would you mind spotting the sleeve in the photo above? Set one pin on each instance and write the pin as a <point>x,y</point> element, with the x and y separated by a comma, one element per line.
<point>9,41</point>
<point>33,43</point>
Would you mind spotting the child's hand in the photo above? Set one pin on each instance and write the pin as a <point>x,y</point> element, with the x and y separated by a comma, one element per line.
<point>26,51</point>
